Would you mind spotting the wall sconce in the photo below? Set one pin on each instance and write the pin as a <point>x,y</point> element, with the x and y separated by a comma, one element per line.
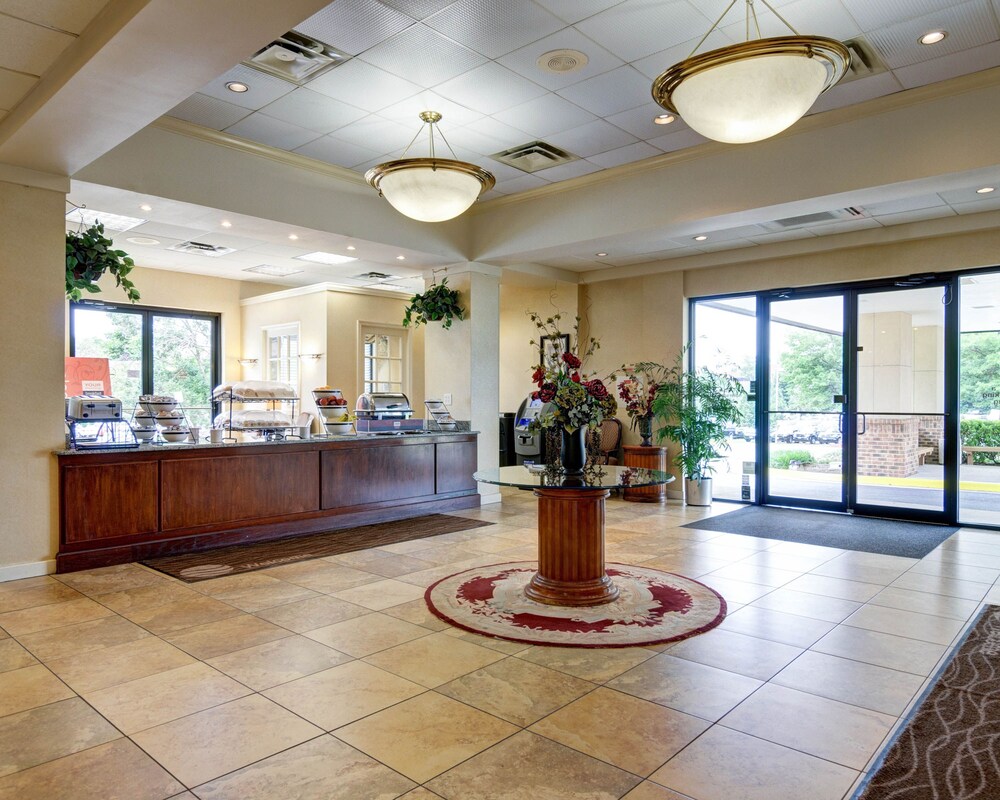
<point>248,362</point>
<point>313,356</point>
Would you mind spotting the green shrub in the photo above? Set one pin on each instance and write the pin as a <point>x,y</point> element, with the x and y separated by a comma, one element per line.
<point>783,458</point>
<point>982,433</point>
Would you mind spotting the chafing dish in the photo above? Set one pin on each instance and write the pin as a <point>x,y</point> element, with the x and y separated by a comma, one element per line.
<point>383,405</point>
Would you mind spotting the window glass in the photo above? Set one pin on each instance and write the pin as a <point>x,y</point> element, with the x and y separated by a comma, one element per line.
<point>383,362</point>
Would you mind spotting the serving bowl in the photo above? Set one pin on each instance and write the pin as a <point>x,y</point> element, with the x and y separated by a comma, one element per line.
<point>175,435</point>
<point>158,406</point>
<point>333,413</point>
<point>338,428</point>
<point>144,434</point>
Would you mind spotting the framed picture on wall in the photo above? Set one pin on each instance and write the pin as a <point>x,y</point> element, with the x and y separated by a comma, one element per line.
<point>552,347</point>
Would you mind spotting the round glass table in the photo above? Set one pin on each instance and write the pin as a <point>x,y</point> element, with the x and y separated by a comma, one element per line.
<point>571,568</point>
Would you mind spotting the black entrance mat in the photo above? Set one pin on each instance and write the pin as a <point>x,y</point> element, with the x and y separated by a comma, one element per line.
<point>885,536</point>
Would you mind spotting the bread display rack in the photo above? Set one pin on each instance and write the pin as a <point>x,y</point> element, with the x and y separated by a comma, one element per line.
<point>273,424</point>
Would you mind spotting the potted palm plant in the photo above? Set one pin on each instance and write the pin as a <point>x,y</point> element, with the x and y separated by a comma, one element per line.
<point>696,406</point>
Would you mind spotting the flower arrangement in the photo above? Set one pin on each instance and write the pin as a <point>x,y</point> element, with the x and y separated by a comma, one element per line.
<point>638,387</point>
<point>580,400</point>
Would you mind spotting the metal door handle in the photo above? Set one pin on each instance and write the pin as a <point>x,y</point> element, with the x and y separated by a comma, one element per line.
<point>864,424</point>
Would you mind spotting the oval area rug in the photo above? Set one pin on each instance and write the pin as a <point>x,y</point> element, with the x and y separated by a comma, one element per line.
<point>654,607</point>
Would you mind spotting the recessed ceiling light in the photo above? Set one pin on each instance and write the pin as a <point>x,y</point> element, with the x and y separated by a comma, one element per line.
<point>932,37</point>
<point>145,207</point>
<point>401,258</point>
<point>147,240</point>
<point>236,86</point>
<point>320,257</point>
<point>985,190</point>
<point>293,236</point>
<point>351,247</point>
<point>664,119</point>
<point>226,223</point>
<point>600,255</point>
<point>701,238</point>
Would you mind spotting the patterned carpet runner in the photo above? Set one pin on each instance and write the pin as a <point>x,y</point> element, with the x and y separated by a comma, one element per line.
<point>653,608</point>
<point>950,748</point>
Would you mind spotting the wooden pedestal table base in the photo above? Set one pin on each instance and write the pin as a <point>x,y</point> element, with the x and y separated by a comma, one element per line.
<point>571,549</point>
<point>649,458</point>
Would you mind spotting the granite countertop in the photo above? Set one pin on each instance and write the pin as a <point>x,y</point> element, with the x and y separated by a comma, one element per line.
<point>462,430</point>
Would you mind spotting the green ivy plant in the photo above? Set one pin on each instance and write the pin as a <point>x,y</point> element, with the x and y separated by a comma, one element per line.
<point>437,304</point>
<point>89,254</point>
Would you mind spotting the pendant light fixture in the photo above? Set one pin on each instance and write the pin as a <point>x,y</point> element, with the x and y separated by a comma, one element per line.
<point>753,90</point>
<point>430,189</point>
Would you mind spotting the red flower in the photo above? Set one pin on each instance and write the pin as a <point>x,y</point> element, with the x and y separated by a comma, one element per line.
<point>571,360</point>
<point>534,395</point>
<point>538,375</point>
<point>547,392</point>
<point>596,389</point>
<point>575,377</point>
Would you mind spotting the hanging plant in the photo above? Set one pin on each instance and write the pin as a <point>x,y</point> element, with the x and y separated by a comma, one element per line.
<point>437,304</point>
<point>89,254</point>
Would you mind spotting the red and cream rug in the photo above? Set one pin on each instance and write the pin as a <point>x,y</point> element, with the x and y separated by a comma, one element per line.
<point>654,607</point>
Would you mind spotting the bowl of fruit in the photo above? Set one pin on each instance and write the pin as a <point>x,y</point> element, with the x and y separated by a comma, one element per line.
<point>325,392</point>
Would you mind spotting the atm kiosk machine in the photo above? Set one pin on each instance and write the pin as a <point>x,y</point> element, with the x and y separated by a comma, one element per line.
<point>528,445</point>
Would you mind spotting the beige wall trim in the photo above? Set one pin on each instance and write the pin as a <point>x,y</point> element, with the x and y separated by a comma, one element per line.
<point>34,178</point>
<point>15,572</point>
<point>826,119</point>
<point>317,288</point>
<point>212,136</point>
<point>544,272</point>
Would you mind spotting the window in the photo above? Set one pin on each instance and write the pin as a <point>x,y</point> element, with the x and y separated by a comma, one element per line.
<point>282,347</point>
<point>152,351</point>
<point>383,358</point>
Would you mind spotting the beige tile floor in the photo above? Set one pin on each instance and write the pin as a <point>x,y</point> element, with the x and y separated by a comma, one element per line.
<point>330,679</point>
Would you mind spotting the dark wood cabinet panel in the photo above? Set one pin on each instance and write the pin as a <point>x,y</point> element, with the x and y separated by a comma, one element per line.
<point>361,475</point>
<point>456,462</point>
<point>109,500</point>
<point>221,489</point>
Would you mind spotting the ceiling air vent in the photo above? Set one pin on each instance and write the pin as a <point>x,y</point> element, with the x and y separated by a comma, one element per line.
<point>865,61</point>
<point>819,218</point>
<point>374,276</point>
<point>202,249</point>
<point>296,58</point>
<point>561,62</point>
<point>534,156</point>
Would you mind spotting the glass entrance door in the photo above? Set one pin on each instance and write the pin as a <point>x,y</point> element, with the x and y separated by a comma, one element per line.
<point>804,453</point>
<point>898,403</point>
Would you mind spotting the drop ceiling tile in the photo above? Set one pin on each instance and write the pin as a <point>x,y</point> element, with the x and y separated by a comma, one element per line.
<point>968,24</point>
<point>545,115</point>
<point>407,112</point>
<point>872,14</point>
<point>625,155</point>
<point>263,89</point>
<point>783,236</point>
<point>359,84</point>
<point>160,230</point>
<point>638,28</point>
<point>494,27</point>
<point>522,184</point>
<point>384,136</point>
<point>337,151</point>
<point>354,25</point>
<point>846,226</point>
<point>278,251</point>
<point>812,17</point>
<point>313,110</point>
<point>639,121</point>
<point>652,66</point>
<point>274,132</point>
<point>209,111</point>
<point>490,88</point>
<point>729,244</point>
<point>525,60</point>
<point>572,11</point>
<point>468,139</point>
<point>857,91</point>
<point>423,56</point>
<point>921,215</point>
<point>905,204</point>
<point>574,169</point>
<point>607,94</point>
<point>951,66</point>
<point>492,127</point>
<point>594,137</point>
<point>72,17</point>
<point>670,142</point>
<point>14,86</point>
<point>230,240</point>
<point>968,194</point>
<point>991,204</point>
<point>418,9</point>
<point>30,48</point>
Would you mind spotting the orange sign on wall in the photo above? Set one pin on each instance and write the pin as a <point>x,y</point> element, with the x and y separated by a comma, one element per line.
<point>87,375</point>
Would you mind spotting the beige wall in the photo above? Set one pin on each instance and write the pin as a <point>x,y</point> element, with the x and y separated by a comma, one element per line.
<point>32,266</point>
<point>517,354</point>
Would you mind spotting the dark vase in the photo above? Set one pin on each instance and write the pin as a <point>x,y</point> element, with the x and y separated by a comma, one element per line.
<point>573,451</point>
<point>646,431</point>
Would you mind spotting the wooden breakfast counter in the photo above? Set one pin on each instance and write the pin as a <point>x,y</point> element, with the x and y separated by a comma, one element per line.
<point>127,505</point>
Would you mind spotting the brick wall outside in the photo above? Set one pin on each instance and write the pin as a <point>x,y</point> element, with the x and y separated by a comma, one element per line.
<point>888,447</point>
<point>930,433</point>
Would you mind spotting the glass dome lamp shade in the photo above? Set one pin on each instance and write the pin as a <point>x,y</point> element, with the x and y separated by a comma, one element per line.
<point>430,189</point>
<point>755,89</point>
